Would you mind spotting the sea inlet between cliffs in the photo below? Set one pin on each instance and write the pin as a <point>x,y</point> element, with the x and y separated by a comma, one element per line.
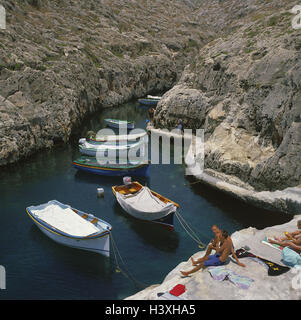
<point>39,268</point>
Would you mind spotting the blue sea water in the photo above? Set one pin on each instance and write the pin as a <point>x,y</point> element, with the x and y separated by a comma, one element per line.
<point>38,268</point>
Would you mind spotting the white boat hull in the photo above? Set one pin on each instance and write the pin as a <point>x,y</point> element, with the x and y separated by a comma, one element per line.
<point>98,245</point>
<point>111,151</point>
<point>67,229</point>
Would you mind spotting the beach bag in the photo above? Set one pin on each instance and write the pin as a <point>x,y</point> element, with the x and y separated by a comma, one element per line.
<point>178,290</point>
<point>290,257</point>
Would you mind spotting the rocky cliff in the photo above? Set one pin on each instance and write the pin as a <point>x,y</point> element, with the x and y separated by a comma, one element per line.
<point>62,60</point>
<point>244,90</point>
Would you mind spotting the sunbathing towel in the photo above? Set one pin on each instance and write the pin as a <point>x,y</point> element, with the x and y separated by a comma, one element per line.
<point>222,273</point>
<point>290,257</point>
<point>272,245</point>
<point>274,269</point>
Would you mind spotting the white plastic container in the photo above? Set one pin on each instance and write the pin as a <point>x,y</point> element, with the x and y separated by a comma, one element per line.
<point>100,192</point>
<point>127,181</point>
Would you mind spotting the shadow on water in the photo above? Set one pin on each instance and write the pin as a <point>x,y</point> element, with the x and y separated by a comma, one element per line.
<point>237,210</point>
<point>130,111</point>
<point>76,261</point>
<point>94,179</point>
<point>45,164</point>
<point>157,236</point>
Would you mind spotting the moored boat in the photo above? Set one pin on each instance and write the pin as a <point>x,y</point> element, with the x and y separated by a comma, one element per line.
<point>148,102</point>
<point>97,149</point>
<point>115,123</point>
<point>128,138</point>
<point>144,204</point>
<point>129,169</point>
<point>153,97</point>
<point>72,227</point>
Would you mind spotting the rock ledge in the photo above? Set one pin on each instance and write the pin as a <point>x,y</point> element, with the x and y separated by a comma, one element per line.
<point>202,287</point>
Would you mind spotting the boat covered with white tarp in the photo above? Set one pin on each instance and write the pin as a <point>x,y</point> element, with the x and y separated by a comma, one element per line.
<point>144,204</point>
<point>72,227</point>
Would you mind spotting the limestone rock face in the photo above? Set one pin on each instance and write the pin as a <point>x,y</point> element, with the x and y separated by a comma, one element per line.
<point>201,286</point>
<point>244,90</point>
<point>62,60</point>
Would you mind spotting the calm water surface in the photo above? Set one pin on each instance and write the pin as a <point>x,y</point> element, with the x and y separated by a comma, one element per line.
<point>38,268</point>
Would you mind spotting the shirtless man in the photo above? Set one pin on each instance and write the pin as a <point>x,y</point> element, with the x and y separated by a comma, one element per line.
<point>151,113</point>
<point>218,259</point>
<point>216,243</point>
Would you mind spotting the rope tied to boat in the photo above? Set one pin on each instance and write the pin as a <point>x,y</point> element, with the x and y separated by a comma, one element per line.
<point>189,230</point>
<point>127,274</point>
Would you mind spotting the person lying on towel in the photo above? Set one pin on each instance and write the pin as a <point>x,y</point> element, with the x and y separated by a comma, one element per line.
<point>294,244</point>
<point>218,259</point>
<point>291,235</point>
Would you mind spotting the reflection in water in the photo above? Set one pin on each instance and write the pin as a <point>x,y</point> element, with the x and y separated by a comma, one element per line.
<point>106,180</point>
<point>77,261</point>
<point>130,111</point>
<point>238,210</point>
<point>158,236</point>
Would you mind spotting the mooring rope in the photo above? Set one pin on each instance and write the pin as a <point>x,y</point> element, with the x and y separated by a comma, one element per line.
<point>190,231</point>
<point>126,273</point>
<point>192,183</point>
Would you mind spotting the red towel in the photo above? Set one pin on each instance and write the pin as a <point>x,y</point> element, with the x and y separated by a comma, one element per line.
<point>178,290</point>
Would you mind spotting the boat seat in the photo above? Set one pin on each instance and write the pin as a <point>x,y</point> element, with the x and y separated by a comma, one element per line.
<point>85,216</point>
<point>94,220</point>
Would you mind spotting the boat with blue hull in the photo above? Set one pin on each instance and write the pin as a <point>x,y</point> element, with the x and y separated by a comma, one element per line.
<point>71,227</point>
<point>115,123</point>
<point>91,165</point>
<point>148,102</point>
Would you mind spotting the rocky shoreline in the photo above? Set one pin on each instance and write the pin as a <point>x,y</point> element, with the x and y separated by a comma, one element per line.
<point>243,90</point>
<point>286,201</point>
<point>201,286</point>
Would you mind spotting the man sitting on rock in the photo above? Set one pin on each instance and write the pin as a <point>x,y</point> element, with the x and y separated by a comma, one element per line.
<point>218,259</point>
<point>217,242</point>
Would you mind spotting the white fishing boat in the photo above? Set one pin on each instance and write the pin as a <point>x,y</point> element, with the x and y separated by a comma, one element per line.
<point>145,204</point>
<point>116,123</point>
<point>127,138</point>
<point>154,97</point>
<point>108,149</point>
<point>71,227</point>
